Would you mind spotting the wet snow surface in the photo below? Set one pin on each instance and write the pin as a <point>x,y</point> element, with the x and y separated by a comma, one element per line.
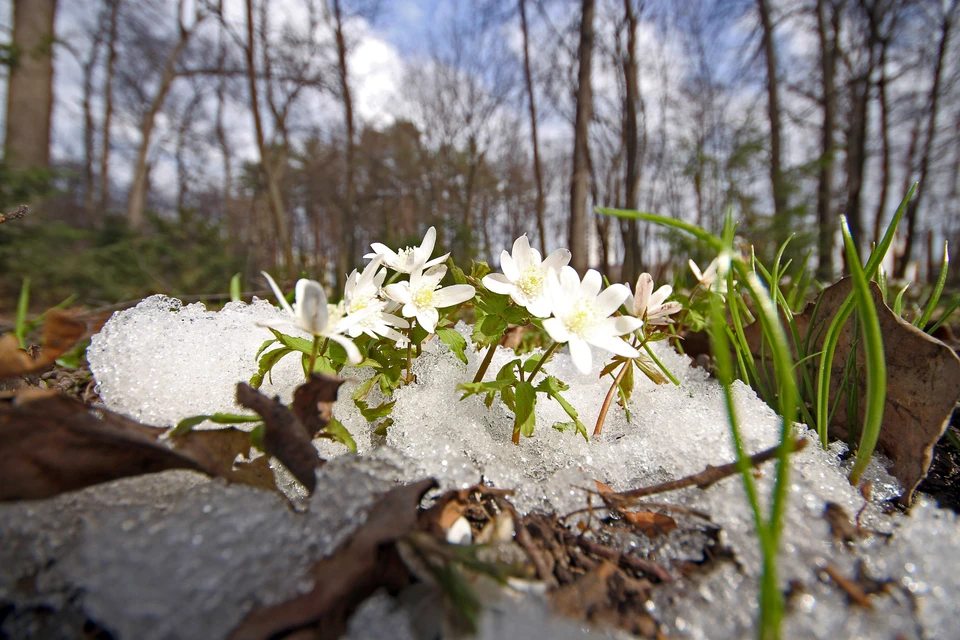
<point>172,555</point>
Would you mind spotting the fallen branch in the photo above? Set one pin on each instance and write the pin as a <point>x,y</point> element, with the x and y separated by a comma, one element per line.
<point>21,211</point>
<point>617,557</point>
<point>701,480</point>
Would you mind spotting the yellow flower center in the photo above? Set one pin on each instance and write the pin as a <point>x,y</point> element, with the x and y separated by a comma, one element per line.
<point>358,304</point>
<point>530,282</point>
<point>406,255</point>
<point>582,317</point>
<point>423,297</point>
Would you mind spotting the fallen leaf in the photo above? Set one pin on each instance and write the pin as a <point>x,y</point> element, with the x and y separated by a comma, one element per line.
<point>841,527</point>
<point>284,435</point>
<point>313,402</point>
<point>368,561</point>
<point>60,332</point>
<point>217,450</point>
<point>650,523</point>
<point>923,382</point>
<point>50,444</point>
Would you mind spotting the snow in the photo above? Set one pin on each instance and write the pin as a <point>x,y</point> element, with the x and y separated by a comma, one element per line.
<point>162,361</point>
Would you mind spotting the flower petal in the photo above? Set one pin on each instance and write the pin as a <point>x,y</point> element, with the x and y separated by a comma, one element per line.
<point>556,330</point>
<point>658,297</point>
<point>394,321</point>
<point>622,325</point>
<point>276,291</point>
<point>429,242</point>
<point>428,318</point>
<point>696,270</point>
<point>509,267</point>
<point>454,294</point>
<point>311,311</point>
<point>353,354</point>
<point>611,298</point>
<point>570,283</point>
<point>614,345</point>
<point>592,282</point>
<point>399,291</point>
<point>540,307</point>
<point>498,283</point>
<point>641,301</point>
<point>557,260</point>
<point>436,261</point>
<point>521,252</point>
<point>581,355</point>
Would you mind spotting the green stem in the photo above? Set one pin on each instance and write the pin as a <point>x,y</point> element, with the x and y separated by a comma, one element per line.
<point>313,355</point>
<point>323,349</point>
<point>485,364</point>
<point>409,378</point>
<point>543,360</point>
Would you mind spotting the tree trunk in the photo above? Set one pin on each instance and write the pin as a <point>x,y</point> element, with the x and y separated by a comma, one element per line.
<point>828,32</point>
<point>578,183</point>
<point>346,257</point>
<point>537,168</point>
<point>89,128</point>
<point>885,143</point>
<point>30,85</point>
<point>275,197</point>
<point>946,30</point>
<point>108,106</point>
<point>138,188</point>
<point>779,187</point>
<point>631,236</point>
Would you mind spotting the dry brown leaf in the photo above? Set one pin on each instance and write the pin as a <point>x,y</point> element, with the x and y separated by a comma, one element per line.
<point>650,523</point>
<point>923,382</point>
<point>284,436</point>
<point>313,402</point>
<point>50,444</point>
<point>217,450</point>
<point>366,562</point>
<point>60,332</point>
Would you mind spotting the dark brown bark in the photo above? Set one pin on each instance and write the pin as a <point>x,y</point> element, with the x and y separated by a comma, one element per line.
<point>828,29</point>
<point>884,143</point>
<point>946,31</point>
<point>89,128</point>
<point>221,133</point>
<point>347,253</point>
<point>30,85</point>
<point>632,256</point>
<point>108,105</point>
<point>777,183</point>
<point>537,168</point>
<point>577,240</point>
<point>270,172</point>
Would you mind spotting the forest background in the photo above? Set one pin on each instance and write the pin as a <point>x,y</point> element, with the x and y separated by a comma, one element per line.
<point>165,145</point>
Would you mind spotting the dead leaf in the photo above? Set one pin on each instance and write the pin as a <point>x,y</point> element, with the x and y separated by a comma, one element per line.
<point>60,332</point>
<point>217,450</point>
<point>50,444</point>
<point>650,523</point>
<point>284,435</point>
<point>367,562</point>
<point>313,402</point>
<point>842,529</point>
<point>513,336</point>
<point>923,382</point>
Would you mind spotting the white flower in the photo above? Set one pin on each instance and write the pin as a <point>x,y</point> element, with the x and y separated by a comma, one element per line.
<point>406,259</point>
<point>582,316</point>
<point>708,276</point>
<point>524,275</point>
<point>648,305</point>
<point>361,298</point>
<point>421,297</point>
<point>312,313</point>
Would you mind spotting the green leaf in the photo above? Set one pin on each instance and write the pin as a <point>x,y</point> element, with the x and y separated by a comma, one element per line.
<point>531,362</point>
<point>565,427</point>
<point>372,414</point>
<point>303,345</point>
<point>456,342</point>
<point>263,347</point>
<point>20,324</point>
<point>456,272</point>
<point>552,386</point>
<point>337,432</point>
<point>364,389</point>
<point>937,291</point>
<point>235,288</point>
<point>267,362</point>
<point>477,388</point>
<point>257,435</point>
<point>187,424</point>
<point>526,418</point>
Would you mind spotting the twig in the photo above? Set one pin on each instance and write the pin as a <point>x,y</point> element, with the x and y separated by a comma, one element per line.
<point>613,555</point>
<point>21,211</point>
<point>852,589</point>
<point>700,480</point>
<point>525,541</point>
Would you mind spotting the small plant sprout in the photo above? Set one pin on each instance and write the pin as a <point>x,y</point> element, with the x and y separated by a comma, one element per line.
<point>524,275</point>
<point>312,313</point>
<point>406,260</point>
<point>422,296</point>
<point>582,316</point>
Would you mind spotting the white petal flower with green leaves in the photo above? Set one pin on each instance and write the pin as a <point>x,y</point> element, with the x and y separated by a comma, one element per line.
<point>422,295</point>
<point>312,313</point>
<point>362,300</point>
<point>582,316</point>
<point>708,276</point>
<point>524,275</point>
<point>406,259</point>
<point>649,305</point>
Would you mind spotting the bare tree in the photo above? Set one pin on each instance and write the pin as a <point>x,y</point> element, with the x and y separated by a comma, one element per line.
<point>828,30</point>
<point>632,256</point>
<point>577,239</point>
<point>111,44</point>
<point>777,182</point>
<point>30,85</point>
<point>537,168</point>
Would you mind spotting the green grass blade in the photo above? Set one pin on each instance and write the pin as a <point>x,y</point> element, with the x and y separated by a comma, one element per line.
<point>235,288</point>
<point>876,364</point>
<point>877,255</point>
<point>23,303</point>
<point>946,314</point>
<point>937,290</point>
<point>898,301</point>
<point>713,241</point>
